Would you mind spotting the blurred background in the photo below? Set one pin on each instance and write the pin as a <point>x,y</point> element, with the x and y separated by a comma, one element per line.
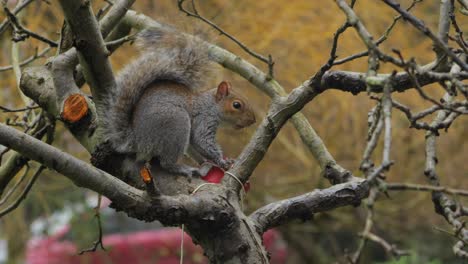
<point>298,34</point>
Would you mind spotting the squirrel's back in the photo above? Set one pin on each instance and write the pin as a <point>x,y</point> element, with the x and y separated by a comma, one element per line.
<point>167,56</point>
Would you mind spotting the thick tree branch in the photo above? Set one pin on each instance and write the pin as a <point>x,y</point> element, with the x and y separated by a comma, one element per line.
<point>81,173</point>
<point>304,206</point>
<point>50,93</point>
<point>38,84</point>
<point>91,48</point>
<point>207,210</point>
<point>173,210</point>
<point>113,17</point>
<point>355,82</point>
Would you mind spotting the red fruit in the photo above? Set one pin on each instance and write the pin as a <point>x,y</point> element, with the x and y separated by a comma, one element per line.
<point>214,175</point>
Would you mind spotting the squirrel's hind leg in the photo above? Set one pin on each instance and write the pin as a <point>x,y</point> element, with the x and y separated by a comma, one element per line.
<point>166,136</point>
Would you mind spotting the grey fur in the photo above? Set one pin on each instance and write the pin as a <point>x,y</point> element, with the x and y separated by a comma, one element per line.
<point>165,122</point>
<point>167,56</point>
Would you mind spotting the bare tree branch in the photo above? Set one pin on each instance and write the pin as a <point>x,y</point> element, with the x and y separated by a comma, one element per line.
<point>36,55</point>
<point>81,173</point>
<point>23,194</point>
<point>21,33</point>
<point>14,187</point>
<point>304,206</point>
<point>20,6</point>
<point>379,40</point>
<point>196,14</point>
<point>98,241</point>
<point>426,31</point>
<point>115,14</point>
<point>90,46</point>
<point>424,188</point>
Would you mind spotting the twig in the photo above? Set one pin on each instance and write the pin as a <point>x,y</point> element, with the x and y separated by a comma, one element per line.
<point>98,242</point>
<point>15,162</point>
<point>269,61</point>
<point>379,41</point>
<point>389,248</point>
<point>423,188</point>
<point>385,166</point>
<point>20,6</point>
<point>426,31</point>
<point>14,187</point>
<point>120,41</point>
<point>104,9</point>
<point>374,53</point>
<point>25,192</point>
<point>411,69</point>
<point>8,110</point>
<point>368,226</point>
<point>28,60</point>
<point>336,36</point>
<point>459,38</point>
<point>22,33</point>
<point>375,129</point>
<point>423,125</point>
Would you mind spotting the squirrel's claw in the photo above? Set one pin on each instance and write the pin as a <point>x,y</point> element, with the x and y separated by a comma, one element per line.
<point>225,164</point>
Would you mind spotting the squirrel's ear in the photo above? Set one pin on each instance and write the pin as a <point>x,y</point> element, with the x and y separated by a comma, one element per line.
<point>223,90</point>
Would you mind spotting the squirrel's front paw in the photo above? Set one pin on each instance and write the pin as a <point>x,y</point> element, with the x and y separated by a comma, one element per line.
<point>225,164</point>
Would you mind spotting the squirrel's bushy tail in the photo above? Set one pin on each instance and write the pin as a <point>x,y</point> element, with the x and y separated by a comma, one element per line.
<point>167,55</point>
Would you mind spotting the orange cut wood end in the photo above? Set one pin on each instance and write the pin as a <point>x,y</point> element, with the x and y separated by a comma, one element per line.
<point>74,108</point>
<point>145,175</point>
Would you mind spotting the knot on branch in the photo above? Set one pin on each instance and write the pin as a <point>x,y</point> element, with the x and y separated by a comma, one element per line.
<point>336,176</point>
<point>441,202</point>
<point>344,193</point>
<point>347,82</point>
<point>220,219</point>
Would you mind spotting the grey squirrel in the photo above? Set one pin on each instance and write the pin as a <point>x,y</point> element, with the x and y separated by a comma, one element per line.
<point>160,108</point>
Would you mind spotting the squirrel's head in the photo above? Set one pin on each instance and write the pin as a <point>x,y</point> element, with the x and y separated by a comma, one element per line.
<point>237,111</point>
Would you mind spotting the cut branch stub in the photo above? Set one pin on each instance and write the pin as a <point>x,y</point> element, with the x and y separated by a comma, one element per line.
<point>75,108</point>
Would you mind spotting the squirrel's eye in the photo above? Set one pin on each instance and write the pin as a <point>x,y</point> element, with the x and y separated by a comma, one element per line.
<point>236,105</point>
